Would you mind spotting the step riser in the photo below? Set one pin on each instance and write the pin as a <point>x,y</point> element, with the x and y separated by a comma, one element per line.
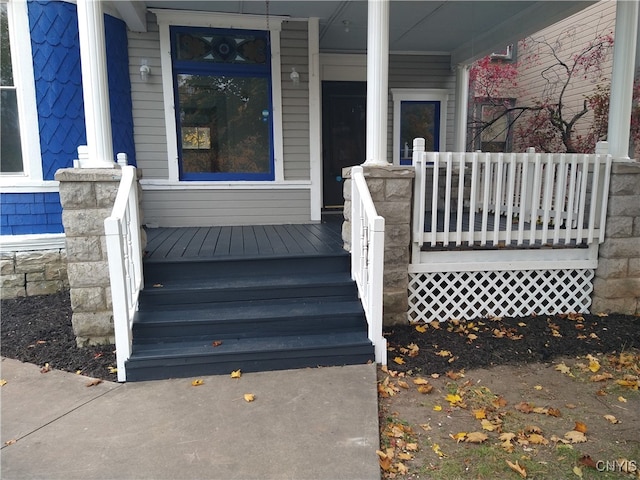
<point>152,372</point>
<point>157,272</point>
<point>146,334</point>
<point>158,297</point>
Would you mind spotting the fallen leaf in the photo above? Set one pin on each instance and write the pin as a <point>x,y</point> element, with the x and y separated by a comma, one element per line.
<point>435,375</point>
<point>10,442</point>
<point>112,369</point>
<point>594,364</point>
<point>459,437</point>
<point>216,343</point>
<point>524,407</point>
<point>601,377</point>
<point>472,336</point>
<point>564,369</point>
<point>45,369</point>
<point>425,426</point>
<point>602,392</point>
<point>522,324</point>
<point>633,384</point>
<point>94,382</point>
<point>578,471</point>
<point>538,387</point>
<point>622,399</point>
<point>384,461</point>
<point>437,408</point>
<point>479,413</point>
<point>236,374</point>
<point>436,448</point>
<point>443,353</point>
<point>158,285</point>
<point>537,439</point>
<point>401,468</point>
<point>78,372</point>
<point>435,324</point>
<point>575,437</point>
<point>611,419</point>
<point>412,447</point>
<point>587,461</point>
<point>3,382</point>
<point>554,412</point>
<point>453,399</point>
<point>197,382</point>
<point>455,375</point>
<point>570,405</point>
<point>405,456</point>
<point>421,328</point>
<point>580,427</point>
<point>420,381</point>
<point>517,468</point>
<point>424,389</point>
<point>487,425</point>
<point>414,350</point>
<point>399,360</point>
<point>532,429</point>
<point>249,397</point>
<point>507,446</point>
<point>499,402</point>
<point>475,437</point>
<point>403,384</point>
<point>97,355</point>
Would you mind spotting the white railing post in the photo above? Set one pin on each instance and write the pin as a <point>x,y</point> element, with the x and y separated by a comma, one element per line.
<point>419,196</point>
<point>124,252</point>
<point>367,259</point>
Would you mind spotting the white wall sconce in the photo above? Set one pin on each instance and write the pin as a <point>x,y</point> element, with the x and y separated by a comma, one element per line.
<point>294,76</point>
<point>145,70</point>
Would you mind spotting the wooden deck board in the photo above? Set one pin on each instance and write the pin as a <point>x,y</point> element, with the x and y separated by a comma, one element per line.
<point>251,240</point>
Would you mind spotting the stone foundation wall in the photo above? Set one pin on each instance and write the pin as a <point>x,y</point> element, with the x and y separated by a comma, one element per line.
<point>617,282</point>
<point>38,272</point>
<point>391,190</point>
<point>87,197</point>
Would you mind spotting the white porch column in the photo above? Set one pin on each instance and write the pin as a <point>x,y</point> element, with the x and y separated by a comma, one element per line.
<point>95,86</point>
<point>624,54</point>
<point>462,104</point>
<point>377,81</point>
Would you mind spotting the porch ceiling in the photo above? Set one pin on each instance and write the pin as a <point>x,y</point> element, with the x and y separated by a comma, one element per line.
<point>465,29</point>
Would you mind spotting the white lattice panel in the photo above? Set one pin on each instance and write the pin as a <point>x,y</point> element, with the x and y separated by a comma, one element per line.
<point>443,296</point>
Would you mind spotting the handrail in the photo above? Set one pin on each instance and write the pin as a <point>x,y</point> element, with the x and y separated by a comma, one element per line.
<point>509,199</point>
<point>367,258</point>
<point>124,251</point>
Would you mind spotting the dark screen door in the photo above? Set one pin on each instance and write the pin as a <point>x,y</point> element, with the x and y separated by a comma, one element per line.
<point>343,135</point>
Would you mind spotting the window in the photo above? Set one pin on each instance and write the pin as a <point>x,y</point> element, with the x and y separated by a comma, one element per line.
<point>417,114</point>
<point>20,160</point>
<point>222,84</point>
<point>10,145</point>
<point>492,125</point>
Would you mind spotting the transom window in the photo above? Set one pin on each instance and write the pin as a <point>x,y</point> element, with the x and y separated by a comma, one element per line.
<point>10,143</point>
<point>222,83</point>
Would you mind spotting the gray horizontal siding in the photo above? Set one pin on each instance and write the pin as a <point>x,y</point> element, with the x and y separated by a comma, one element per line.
<point>148,102</point>
<point>422,71</point>
<point>204,208</point>
<point>295,100</point>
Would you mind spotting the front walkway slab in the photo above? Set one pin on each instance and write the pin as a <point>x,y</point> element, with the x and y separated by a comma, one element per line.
<point>317,423</point>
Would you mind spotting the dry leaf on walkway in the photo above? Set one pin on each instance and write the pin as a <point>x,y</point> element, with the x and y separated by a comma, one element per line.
<point>594,364</point>
<point>3,382</point>
<point>575,437</point>
<point>45,369</point>
<point>621,399</point>
<point>216,343</point>
<point>249,397</point>
<point>580,427</point>
<point>94,382</point>
<point>611,419</point>
<point>524,407</point>
<point>236,374</point>
<point>112,369</point>
<point>10,442</point>
<point>197,382</point>
<point>564,369</point>
<point>517,468</point>
<point>601,377</point>
<point>476,437</point>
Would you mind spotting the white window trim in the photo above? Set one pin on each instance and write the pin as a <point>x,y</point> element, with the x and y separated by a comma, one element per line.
<point>418,95</point>
<point>22,62</point>
<point>167,18</point>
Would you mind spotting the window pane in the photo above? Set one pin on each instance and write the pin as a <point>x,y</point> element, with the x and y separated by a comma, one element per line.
<point>418,119</point>
<point>222,48</point>
<point>6,72</point>
<point>10,149</point>
<point>224,124</point>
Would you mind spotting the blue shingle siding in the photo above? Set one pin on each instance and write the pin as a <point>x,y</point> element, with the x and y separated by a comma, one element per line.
<point>30,213</point>
<point>119,87</point>
<point>59,99</point>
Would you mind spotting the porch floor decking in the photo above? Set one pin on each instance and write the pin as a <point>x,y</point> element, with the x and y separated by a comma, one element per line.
<point>244,241</point>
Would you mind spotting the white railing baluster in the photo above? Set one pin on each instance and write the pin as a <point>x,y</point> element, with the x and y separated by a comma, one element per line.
<point>460,206</point>
<point>571,203</point>
<point>434,158</point>
<point>473,196</point>
<point>584,173</point>
<point>559,212</point>
<point>122,232</point>
<point>499,176</point>
<point>525,203</point>
<point>367,259</point>
<point>485,198</point>
<point>510,197</point>
<point>447,197</point>
<point>593,208</point>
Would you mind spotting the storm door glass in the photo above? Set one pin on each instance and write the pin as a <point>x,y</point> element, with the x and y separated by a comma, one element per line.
<point>223,92</point>
<point>418,119</point>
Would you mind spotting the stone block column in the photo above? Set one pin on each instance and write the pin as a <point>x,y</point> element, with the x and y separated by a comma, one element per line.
<point>87,196</point>
<point>391,190</point>
<point>616,287</point>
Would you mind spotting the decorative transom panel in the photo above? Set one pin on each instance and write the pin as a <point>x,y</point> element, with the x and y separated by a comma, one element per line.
<point>447,295</point>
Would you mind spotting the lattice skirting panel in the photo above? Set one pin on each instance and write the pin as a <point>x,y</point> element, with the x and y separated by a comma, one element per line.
<point>467,295</point>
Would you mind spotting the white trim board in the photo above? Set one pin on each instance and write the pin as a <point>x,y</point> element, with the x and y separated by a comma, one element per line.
<point>24,243</point>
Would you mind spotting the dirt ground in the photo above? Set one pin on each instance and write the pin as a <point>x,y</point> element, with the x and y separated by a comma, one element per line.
<point>555,397</point>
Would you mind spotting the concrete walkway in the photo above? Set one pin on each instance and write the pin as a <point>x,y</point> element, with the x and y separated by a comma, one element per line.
<point>304,424</point>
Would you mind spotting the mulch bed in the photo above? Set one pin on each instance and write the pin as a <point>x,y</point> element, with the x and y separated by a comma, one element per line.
<point>38,330</point>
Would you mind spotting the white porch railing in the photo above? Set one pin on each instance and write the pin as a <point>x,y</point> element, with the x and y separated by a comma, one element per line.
<point>510,199</point>
<point>367,258</point>
<point>122,230</point>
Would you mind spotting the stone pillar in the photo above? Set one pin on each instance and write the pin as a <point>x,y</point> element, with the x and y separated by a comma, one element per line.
<point>87,197</point>
<point>391,190</point>
<point>616,288</point>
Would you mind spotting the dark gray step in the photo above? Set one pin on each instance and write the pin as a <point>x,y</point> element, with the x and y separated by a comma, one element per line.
<point>187,359</point>
<point>177,269</point>
<point>249,319</point>
<point>193,291</point>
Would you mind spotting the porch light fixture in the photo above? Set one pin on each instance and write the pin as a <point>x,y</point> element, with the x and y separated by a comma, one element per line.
<point>294,76</point>
<point>145,70</point>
